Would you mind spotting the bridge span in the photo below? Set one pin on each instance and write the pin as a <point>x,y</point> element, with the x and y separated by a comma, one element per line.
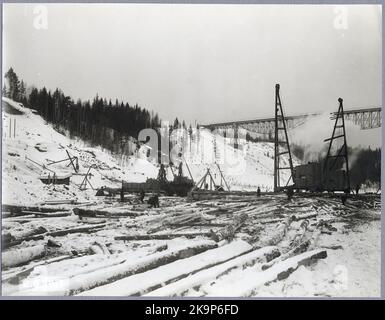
<point>366,118</point>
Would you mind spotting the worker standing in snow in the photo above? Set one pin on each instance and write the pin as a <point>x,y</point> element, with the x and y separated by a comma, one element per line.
<point>121,194</point>
<point>289,193</point>
<point>141,196</point>
<point>344,198</point>
<point>258,192</point>
<point>153,201</point>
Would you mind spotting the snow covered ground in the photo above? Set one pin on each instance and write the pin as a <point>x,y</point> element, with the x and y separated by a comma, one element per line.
<point>327,250</point>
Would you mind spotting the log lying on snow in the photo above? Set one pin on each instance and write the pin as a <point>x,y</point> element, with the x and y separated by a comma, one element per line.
<point>247,285</point>
<point>96,220</point>
<point>15,211</point>
<point>199,224</point>
<point>180,287</point>
<point>365,214</point>
<point>185,218</point>
<point>51,215</point>
<point>280,233</point>
<point>141,283</point>
<point>19,257</point>
<point>296,217</point>
<point>163,236</point>
<point>115,269</point>
<point>192,218</point>
<point>299,244</point>
<point>104,213</point>
<point>300,248</point>
<point>306,216</point>
<point>16,277</point>
<point>9,239</point>
<point>30,233</point>
<point>82,229</point>
<point>298,239</point>
<point>64,201</point>
<point>229,231</point>
<point>99,248</point>
<point>6,215</point>
<point>58,233</point>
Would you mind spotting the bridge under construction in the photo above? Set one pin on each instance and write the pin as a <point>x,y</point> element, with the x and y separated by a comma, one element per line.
<point>366,118</point>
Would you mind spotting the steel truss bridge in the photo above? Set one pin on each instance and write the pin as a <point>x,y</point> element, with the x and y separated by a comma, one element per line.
<point>367,118</point>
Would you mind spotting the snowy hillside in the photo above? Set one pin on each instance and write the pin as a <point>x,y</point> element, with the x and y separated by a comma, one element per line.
<point>30,145</point>
<point>246,168</point>
<point>33,143</point>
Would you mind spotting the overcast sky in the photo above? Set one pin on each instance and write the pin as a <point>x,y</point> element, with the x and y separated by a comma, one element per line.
<point>204,63</point>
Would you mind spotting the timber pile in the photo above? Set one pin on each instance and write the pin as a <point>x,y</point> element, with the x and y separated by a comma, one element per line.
<point>106,271</point>
<point>142,283</point>
<point>263,239</point>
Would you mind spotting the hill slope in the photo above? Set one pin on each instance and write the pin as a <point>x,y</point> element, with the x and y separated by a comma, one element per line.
<point>36,140</point>
<point>29,144</point>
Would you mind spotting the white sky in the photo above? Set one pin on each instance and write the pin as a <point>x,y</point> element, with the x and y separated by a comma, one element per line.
<point>208,63</point>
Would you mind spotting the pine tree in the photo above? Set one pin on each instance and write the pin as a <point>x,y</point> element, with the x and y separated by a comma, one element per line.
<point>13,84</point>
<point>176,123</point>
<point>4,91</point>
<point>22,92</point>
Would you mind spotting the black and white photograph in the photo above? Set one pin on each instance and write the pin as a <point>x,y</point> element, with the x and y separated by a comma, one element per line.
<point>191,150</point>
